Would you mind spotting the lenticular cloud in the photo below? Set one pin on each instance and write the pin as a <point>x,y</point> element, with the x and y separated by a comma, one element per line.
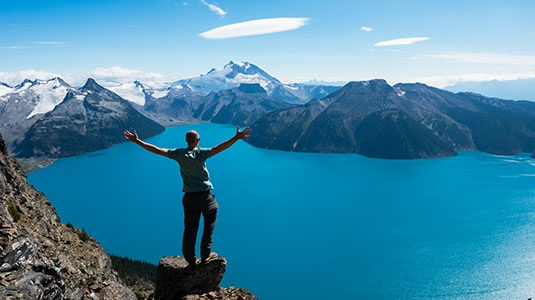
<point>404,41</point>
<point>255,27</point>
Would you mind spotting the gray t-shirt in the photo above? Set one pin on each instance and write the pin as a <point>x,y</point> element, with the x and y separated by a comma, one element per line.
<point>193,169</point>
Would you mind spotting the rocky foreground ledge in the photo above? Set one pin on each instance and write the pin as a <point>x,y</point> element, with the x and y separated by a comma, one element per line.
<point>175,280</point>
<point>42,258</point>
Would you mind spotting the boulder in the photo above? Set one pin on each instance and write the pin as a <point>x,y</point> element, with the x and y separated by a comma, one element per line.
<point>175,279</point>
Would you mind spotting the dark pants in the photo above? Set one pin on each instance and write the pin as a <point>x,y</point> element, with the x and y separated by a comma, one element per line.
<point>194,205</point>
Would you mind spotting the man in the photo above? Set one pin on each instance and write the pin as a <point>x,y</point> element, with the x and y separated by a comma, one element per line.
<point>197,187</point>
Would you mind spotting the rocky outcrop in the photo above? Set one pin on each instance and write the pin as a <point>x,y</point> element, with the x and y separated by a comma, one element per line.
<point>176,280</point>
<point>41,258</point>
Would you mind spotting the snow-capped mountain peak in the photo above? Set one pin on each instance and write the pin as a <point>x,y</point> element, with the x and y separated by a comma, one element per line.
<point>244,70</point>
<point>232,75</point>
<point>40,96</point>
<point>49,92</point>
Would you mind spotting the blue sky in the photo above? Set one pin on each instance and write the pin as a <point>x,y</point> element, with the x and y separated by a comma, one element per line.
<point>435,42</point>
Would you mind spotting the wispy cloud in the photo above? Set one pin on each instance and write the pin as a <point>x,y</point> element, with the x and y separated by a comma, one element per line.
<point>55,44</point>
<point>484,58</point>
<point>365,28</point>
<point>403,41</point>
<point>255,27</point>
<point>37,44</point>
<point>12,47</point>
<point>216,9</point>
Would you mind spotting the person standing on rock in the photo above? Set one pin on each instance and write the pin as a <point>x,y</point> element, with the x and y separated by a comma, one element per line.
<point>197,187</point>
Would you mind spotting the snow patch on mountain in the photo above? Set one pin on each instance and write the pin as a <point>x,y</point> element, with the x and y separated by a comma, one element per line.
<point>160,93</point>
<point>399,92</point>
<point>50,93</point>
<point>4,90</point>
<point>132,91</point>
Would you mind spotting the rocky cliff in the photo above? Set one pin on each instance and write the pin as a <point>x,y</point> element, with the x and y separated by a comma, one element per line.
<point>41,258</point>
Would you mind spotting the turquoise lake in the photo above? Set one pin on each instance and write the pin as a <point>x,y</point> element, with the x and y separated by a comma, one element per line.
<point>318,226</point>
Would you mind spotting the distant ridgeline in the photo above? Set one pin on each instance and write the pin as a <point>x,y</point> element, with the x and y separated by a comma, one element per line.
<point>51,119</point>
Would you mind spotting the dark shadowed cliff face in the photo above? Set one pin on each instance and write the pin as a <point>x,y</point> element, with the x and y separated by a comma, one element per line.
<point>176,107</point>
<point>238,106</point>
<point>41,258</point>
<point>405,121</point>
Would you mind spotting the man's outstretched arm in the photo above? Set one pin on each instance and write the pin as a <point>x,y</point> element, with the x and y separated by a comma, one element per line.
<point>243,134</point>
<point>149,147</point>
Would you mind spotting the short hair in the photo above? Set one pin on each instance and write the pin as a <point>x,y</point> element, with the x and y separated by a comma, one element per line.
<point>192,136</point>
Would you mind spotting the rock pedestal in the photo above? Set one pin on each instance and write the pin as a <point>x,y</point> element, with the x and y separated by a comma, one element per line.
<point>175,280</point>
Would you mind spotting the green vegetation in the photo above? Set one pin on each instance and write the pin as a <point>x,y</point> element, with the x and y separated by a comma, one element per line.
<point>131,270</point>
<point>138,275</point>
<point>14,212</point>
<point>82,234</point>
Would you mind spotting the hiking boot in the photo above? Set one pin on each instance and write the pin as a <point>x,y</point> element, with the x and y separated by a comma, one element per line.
<point>192,264</point>
<point>210,257</point>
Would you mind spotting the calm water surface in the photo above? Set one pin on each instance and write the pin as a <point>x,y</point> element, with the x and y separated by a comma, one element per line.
<point>318,226</point>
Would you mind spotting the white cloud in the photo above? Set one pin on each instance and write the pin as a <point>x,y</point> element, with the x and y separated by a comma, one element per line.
<point>14,78</point>
<point>13,47</point>
<point>485,58</point>
<point>57,44</point>
<point>255,27</point>
<point>217,10</point>
<point>105,76</point>
<point>118,74</point>
<point>403,41</point>
<point>365,28</point>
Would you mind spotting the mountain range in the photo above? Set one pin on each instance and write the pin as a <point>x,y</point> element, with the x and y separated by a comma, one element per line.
<point>50,118</point>
<point>88,119</point>
<point>402,121</point>
<point>519,89</point>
